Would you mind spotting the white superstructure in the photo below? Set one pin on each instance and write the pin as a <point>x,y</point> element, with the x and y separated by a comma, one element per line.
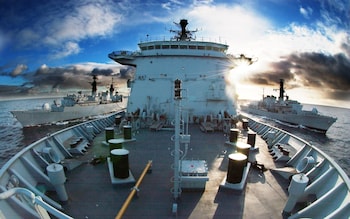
<point>200,66</point>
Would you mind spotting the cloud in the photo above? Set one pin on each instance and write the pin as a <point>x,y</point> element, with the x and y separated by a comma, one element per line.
<point>69,48</point>
<point>316,56</point>
<point>60,26</point>
<point>306,12</point>
<point>19,70</point>
<point>77,76</point>
<point>329,74</point>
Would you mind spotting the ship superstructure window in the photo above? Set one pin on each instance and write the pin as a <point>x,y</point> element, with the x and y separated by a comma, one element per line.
<point>182,46</point>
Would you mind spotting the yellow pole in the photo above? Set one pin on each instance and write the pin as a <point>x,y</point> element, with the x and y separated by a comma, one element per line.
<point>133,191</point>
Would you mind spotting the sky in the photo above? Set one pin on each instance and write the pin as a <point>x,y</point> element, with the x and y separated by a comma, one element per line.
<point>49,46</point>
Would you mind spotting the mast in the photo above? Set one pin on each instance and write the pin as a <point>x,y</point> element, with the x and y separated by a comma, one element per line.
<point>280,98</point>
<point>183,34</point>
<point>94,86</point>
<point>111,89</point>
<point>183,24</point>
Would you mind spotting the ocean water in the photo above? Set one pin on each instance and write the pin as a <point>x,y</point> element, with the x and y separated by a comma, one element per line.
<point>335,143</point>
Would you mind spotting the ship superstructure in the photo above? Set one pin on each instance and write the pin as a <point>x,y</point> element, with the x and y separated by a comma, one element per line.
<point>200,66</point>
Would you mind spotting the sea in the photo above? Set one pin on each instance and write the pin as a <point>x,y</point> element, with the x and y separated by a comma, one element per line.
<point>13,137</point>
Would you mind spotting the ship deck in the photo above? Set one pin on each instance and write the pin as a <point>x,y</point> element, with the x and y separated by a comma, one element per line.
<point>92,195</point>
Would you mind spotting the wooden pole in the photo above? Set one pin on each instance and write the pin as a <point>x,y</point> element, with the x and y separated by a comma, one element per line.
<point>133,191</point>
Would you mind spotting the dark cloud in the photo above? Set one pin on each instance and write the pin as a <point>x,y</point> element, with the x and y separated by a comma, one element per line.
<point>105,72</point>
<point>314,70</point>
<point>329,74</point>
<point>79,76</point>
<point>321,70</point>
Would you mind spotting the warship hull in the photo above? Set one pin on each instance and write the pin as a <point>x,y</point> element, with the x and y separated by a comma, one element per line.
<point>311,121</point>
<point>39,117</point>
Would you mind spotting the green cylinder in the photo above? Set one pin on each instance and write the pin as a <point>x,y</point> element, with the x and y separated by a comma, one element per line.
<point>251,139</point>
<point>243,148</point>
<point>120,160</point>
<point>236,166</point>
<point>115,144</point>
<point>109,133</point>
<point>245,124</point>
<point>127,131</point>
<point>118,120</point>
<point>234,135</point>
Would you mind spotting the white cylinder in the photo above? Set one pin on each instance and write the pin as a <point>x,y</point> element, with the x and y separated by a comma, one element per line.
<point>296,190</point>
<point>51,154</point>
<point>58,178</point>
<point>271,134</point>
<point>270,138</point>
<point>90,131</point>
<point>298,184</point>
<point>305,164</point>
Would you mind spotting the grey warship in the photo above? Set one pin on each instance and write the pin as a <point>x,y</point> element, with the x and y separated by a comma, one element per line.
<point>290,111</point>
<point>72,106</point>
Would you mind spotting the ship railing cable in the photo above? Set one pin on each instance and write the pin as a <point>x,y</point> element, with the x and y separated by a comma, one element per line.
<point>40,206</point>
<point>133,191</point>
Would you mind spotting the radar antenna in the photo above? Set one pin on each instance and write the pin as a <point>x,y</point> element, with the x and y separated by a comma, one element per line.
<point>183,34</point>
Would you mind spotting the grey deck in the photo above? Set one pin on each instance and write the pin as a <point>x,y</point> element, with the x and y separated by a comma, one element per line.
<point>91,194</point>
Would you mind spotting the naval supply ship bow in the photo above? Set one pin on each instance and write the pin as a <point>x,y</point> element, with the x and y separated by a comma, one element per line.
<point>187,164</point>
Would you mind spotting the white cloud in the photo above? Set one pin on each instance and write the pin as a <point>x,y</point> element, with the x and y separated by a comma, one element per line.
<point>67,49</point>
<point>89,20</point>
<point>247,31</point>
<point>62,29</point>
<point>20,68</point>
<point>306,12</point>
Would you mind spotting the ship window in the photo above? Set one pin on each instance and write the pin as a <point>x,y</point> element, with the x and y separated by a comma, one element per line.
<point>143,48</point>
<point>174,46</point>
<point>208,48</point>
<point>151,47</point>
<point>157,46</point>
<point>201,47</point>
<point>192,47</point>
<point>165,46</point>
<point>216,49</point>
<point>183,46</point>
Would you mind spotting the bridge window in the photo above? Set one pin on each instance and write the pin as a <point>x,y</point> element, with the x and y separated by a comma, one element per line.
<point>192,47</point>
<point>174,46</point>
<point>165,46</point>
<point>183,46</point>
